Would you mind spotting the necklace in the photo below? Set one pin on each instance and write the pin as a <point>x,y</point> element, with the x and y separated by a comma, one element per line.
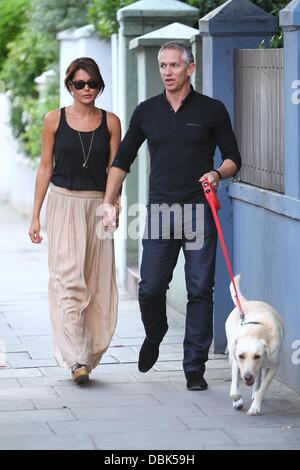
<point>86,157</point>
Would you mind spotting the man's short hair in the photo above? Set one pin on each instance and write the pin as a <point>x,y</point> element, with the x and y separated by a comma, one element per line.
<point>187,54</point>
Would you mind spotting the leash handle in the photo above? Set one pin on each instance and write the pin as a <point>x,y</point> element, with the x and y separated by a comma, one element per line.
<point>215,205</point>
<point>211,195</point>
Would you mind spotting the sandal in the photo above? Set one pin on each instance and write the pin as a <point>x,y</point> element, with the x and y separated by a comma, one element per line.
<point>80,373</point>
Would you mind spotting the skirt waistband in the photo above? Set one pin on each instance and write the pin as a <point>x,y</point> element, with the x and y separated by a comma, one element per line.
<point>77,193</point>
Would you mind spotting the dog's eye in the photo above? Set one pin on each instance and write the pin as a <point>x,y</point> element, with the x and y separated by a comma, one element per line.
<point>241,356</point>
<point>256,356</point>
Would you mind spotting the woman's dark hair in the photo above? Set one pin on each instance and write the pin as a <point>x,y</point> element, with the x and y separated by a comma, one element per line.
<point>88,65</point>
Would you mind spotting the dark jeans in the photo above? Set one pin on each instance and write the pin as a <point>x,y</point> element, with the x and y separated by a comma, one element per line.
<point>158,262</point>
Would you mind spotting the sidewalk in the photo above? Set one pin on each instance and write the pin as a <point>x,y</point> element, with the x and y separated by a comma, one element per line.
<point>40,407</point>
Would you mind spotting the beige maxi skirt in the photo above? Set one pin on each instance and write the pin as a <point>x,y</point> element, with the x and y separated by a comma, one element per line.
<point>83,294</point>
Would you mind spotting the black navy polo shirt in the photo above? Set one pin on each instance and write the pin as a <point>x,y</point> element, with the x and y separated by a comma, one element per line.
<point>181,145</point>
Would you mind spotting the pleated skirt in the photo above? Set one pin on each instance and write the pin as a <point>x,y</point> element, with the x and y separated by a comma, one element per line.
<point>83,295</point>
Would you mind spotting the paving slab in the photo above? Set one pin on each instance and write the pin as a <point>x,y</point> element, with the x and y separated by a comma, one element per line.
<point>9,373</point>
<point>9,383</point>
<point>15,404</point>
<point>160,440</point>
<point>27,392</point>
<point>269,435</point>
<point>116,425</point>
<point>11,431</point>
<point>48,443</point>
<point>31,416</point>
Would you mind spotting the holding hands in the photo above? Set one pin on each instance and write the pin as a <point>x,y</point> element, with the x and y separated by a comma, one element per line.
<point>110,215</point>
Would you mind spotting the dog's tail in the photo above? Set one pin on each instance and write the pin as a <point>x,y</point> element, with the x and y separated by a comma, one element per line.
<point>242,299</point>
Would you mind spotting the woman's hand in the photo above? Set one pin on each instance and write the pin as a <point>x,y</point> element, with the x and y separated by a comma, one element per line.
<point>110,214</point>
<point>34,231</point>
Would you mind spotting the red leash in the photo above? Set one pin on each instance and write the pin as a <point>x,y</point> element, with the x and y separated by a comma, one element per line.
<point>214,204</point>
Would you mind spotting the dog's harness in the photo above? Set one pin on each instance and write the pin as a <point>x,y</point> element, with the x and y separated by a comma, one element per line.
<point>214,204</point>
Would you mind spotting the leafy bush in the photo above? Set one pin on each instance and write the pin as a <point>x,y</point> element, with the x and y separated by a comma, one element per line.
<point>103,15</point>
<point>33,50</point>
<point>52,16</point>
<point>29,55</point>
<point>14,14</point>
<point>33,113</point>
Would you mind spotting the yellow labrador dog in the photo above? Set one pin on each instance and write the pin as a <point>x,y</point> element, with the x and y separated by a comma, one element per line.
<point>254,348</point>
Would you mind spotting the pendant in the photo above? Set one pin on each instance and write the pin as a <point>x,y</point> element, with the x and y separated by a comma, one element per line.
<point>85,166</point>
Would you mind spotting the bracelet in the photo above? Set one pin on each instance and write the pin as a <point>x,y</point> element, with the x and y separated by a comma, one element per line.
<point>219,174</point>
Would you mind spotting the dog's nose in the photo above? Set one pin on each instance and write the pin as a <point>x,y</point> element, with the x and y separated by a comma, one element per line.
<point>248,378</point>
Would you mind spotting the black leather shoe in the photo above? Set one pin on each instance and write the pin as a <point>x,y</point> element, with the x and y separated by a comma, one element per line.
<point>148,355</point>
<point>195,381</point>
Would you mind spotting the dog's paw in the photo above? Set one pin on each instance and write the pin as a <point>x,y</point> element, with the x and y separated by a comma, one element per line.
<point>235,396</point>
<point>254,409</point>
<point>238,404</point>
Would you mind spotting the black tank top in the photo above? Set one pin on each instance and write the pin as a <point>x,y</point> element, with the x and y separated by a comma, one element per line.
<point>68,156</point>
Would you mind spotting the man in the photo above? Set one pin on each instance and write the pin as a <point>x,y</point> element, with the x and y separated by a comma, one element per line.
<point>182,128</point>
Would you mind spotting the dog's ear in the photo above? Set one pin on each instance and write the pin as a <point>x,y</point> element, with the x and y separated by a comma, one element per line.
<point>233,347</point>
<point>266,349</point>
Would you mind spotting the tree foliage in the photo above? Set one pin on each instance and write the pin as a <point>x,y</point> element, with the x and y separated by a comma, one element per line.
<point>33,113</point>
<point>29,51</point>
<point>14,14</point>
<point>103,15</point>
<point>52,16</point>
<point>29,56</point>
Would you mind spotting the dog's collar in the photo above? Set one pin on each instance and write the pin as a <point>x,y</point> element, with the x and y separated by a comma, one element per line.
<point>250,323</point>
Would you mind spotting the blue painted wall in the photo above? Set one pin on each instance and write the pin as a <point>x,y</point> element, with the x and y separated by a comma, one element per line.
<point>266,237</point>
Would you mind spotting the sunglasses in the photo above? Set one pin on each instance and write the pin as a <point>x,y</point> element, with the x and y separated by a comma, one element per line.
<point>80,84</point>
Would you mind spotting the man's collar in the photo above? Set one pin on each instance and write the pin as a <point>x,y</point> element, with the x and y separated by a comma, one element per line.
<point>186,99</point>
<point>189,95</point>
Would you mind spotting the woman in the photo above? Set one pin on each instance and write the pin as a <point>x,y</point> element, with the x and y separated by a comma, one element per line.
<point>82,287</point>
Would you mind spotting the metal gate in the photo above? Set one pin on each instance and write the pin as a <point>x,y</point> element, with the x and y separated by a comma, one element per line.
<point>259,116</point>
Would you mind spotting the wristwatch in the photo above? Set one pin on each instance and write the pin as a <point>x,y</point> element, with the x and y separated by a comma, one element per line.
<point>219,174</point>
